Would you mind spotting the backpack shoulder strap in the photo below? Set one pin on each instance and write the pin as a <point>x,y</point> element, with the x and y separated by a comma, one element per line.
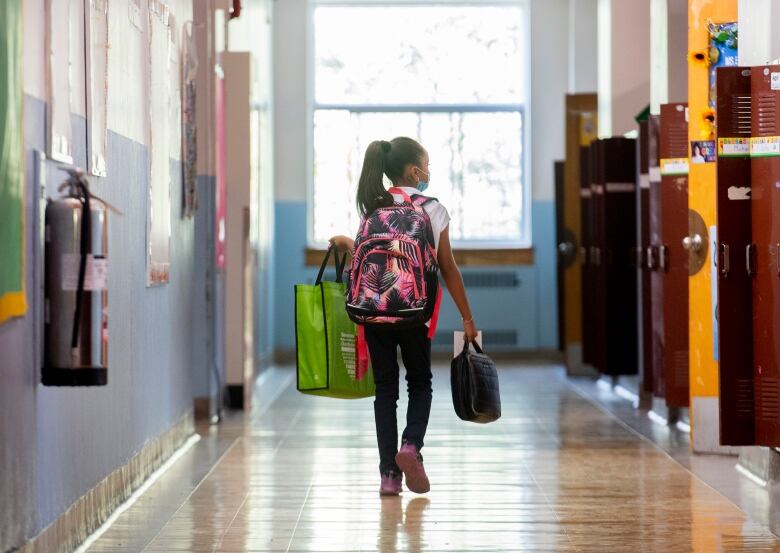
<point>402,193</point>
<point>420,200</point>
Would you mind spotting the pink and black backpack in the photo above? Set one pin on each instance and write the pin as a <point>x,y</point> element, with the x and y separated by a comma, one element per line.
<point>393,279</point>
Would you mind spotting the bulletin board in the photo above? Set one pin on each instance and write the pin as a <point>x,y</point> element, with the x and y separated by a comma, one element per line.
<point>12,296</point>
<point>159,93</point>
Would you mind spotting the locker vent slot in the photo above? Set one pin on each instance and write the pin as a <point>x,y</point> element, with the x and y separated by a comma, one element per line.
<point>741,110</point>
<point>744,397</point>
<point>681,369</point>
<point>491,279</point>
<point>767,115</point>
<point>768,399</point>
<point>507,337</point>
<point>678,140</point>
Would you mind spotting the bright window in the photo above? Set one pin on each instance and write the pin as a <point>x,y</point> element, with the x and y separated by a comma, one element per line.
<point>452,77</point>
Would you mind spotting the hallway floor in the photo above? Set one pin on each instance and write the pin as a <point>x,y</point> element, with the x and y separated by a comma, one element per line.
<point>556,473</point>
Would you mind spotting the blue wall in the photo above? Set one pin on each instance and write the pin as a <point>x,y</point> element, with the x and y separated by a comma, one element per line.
<point>57,443</point>
<point>531,310</point>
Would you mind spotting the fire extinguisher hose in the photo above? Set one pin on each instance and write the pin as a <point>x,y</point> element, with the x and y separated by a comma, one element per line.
<point>86,228</point>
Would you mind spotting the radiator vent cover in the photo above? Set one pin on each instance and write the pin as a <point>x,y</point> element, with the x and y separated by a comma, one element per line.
<point>491,279</point>
<point>506,337</point>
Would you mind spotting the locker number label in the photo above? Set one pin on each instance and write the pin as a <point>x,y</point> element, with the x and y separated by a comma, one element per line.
<point>95,276</point>
<point>775,80</point>
<point>764,146</point>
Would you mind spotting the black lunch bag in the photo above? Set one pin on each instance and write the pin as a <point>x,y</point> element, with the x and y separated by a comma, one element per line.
<point>475,386</point>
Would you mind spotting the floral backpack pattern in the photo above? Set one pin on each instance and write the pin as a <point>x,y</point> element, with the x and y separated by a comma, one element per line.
<point>393,278</point>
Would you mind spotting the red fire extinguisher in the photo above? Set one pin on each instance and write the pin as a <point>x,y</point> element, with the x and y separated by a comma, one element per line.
<point>76,298</point>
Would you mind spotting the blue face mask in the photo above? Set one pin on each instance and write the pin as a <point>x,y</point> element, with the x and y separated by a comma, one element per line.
<point>422,185</point>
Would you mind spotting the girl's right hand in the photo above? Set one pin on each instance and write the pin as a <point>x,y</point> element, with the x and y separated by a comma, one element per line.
<point>469,331</point>
<point>341,242</point>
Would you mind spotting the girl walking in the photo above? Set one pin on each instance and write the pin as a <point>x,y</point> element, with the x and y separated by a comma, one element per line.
<point>405,163</point>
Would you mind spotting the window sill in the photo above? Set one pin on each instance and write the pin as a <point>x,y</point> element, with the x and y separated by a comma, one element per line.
<point>465,257</point>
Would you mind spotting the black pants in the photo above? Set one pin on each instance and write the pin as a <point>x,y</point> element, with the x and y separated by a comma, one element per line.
<point>416,355</point>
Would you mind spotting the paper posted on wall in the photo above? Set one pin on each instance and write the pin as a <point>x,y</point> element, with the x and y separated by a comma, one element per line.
<point>457,346</point>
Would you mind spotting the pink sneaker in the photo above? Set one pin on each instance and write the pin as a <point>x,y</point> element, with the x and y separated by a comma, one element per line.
<point>391,484</point>
<point>410,462</point>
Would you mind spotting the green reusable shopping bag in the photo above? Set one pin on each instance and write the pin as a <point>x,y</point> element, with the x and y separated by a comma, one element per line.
<point>327,340</point>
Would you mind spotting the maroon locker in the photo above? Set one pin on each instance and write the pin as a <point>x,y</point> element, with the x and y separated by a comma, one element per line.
<point>763,257</point>
<point>672,256</point>
<point>651,258</point>
<point>643,273</point>
<point>615,238</point>
<point>596,301</point>
<point>587,254</point>
<point>735,313</point>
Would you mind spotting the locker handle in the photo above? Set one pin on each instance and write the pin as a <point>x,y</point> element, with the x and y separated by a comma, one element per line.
<point>595,256</point>
<point>663,258</point>
<point>724,260</point>
<point>777,258</point>
<point>750,259</point>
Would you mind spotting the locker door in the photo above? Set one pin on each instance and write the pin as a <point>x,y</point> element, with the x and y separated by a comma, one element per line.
<point>651,258</point>
<point>618,173</point>
<point>764,256</point>
<point>598,273</point>
<point>640,257</point>
<point>735,314</point>
<point>587,257</point>
<point>673,257</point>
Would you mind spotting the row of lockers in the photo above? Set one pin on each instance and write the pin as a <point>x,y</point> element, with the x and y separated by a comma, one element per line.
<point>640,244</point>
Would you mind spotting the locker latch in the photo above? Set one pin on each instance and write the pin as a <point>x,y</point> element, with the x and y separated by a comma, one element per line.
<point>651,259</point>
<point>750,259</point>
<point>663,258</point>
<point>724,260</point>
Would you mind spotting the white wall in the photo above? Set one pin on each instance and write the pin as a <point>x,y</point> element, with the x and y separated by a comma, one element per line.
<point>624,64</point>
<point>291,114</point>
<point>759,37</point>
<point>583,56</point>
<point>550,78</point>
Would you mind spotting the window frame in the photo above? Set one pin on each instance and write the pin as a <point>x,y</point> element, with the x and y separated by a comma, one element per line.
<point>526,239</point>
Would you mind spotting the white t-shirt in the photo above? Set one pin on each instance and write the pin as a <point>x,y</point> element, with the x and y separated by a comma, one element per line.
<point>437,213</point>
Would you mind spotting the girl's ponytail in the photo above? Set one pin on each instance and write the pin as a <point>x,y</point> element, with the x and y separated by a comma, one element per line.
<point>371,192</point>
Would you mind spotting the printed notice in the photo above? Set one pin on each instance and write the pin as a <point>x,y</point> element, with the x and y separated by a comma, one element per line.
<point>348,353</point>
<point>733,147</point>
<point>95,276</point>
<point>775,80</point>
<point>674,166</point>
<point>764,146</point>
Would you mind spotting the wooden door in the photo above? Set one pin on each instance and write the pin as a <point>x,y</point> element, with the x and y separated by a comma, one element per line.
<point>673,257</point>
<point>764,255</point>
<point>735,313</point>
<point>565,249</point>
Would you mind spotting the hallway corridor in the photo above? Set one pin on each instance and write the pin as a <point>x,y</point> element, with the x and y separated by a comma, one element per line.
<point>556,473</point>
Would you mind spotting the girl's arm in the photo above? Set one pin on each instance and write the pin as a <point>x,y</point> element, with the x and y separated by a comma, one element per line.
<point>454,281</point>
<point>344,243</point>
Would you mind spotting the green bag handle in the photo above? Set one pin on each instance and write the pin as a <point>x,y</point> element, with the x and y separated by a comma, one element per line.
<point>338,264</point>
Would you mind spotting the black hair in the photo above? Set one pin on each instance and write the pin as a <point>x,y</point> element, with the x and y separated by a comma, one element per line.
<point>384,158</point>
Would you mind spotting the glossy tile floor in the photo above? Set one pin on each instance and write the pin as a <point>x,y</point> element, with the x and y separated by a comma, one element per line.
<point>556,473</point>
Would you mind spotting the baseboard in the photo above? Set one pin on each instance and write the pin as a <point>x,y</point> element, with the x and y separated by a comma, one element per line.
<point>90,511</point>
<point>284,357</point>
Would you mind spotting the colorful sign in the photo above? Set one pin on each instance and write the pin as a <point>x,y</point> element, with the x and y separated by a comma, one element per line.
<point>674,166</point>
<point>13,302</point>
<point>722,52</point>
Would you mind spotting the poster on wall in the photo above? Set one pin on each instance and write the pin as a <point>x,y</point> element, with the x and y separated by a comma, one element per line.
<point>97,84</point>
<point>12,297</point>
<point>158,230</point>
<point>60,137</point>
<point>188,121</point>
<point>722,51</point>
